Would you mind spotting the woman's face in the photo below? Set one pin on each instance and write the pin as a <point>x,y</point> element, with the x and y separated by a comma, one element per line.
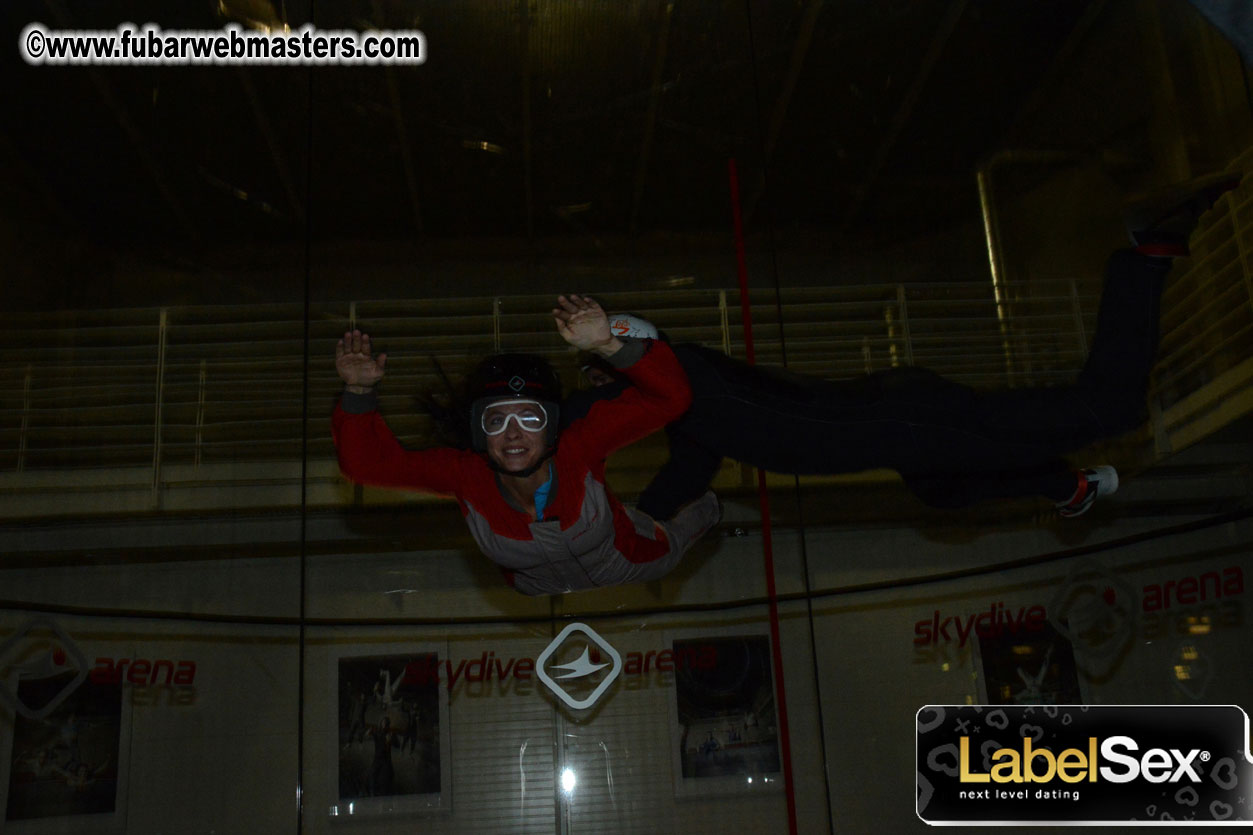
<point>515,449</point>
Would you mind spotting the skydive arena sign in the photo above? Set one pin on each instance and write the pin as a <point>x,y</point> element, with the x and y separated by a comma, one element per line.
<point>1081,764</point>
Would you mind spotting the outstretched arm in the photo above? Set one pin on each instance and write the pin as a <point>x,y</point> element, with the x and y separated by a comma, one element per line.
<point>660,392</point>
<point>368,451</point>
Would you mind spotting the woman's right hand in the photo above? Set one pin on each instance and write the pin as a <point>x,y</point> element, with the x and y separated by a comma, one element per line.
<point>359,370</point>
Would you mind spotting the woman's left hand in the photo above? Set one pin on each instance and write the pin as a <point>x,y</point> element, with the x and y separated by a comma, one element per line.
<point>582,323</point>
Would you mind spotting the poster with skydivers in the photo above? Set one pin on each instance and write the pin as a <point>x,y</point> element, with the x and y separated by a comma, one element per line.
<point>727,731</point>
<point>66,764</point>
<point>1030,669</point>
<point>390,751</point>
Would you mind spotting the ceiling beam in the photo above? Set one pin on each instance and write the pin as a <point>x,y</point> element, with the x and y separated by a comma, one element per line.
<point>402,133</point>
<point>666,11</point>
<point>131,131</point>
<point>21,172</point>
<point>273,145</point>
<point>528,187</point>
<point>406,151</point>
<point>906,108</point>
<point>1061,61</point>
<point>800,49</point>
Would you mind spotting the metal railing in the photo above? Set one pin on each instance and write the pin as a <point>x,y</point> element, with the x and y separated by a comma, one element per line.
<point>119,410</point>
<point>1204,374</point>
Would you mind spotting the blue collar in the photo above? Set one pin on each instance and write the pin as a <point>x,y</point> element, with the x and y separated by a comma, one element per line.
<point>541,494</point>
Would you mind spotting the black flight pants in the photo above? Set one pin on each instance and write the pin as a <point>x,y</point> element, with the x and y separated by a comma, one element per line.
<point>952,444</point>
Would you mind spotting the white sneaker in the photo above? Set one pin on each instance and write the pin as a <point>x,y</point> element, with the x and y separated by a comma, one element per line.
<point>1093,482</point>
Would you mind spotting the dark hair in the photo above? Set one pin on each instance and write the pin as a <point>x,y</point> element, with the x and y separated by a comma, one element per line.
<point>449,409</point>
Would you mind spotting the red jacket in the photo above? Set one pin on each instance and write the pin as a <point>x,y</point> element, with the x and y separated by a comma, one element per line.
<point>587,538</point>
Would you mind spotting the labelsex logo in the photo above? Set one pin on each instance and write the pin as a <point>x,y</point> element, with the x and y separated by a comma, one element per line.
<point>580,668</point>
<point>1074,765</point>
<point>1083,764</point>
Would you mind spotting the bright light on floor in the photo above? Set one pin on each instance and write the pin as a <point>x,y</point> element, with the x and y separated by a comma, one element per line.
<point>567,781</point>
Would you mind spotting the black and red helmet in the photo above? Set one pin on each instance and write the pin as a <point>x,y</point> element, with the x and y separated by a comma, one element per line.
<point>503,377</point>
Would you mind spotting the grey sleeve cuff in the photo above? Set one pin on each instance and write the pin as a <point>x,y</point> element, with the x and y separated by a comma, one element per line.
<point>630,352</point>
<point>359,404</point>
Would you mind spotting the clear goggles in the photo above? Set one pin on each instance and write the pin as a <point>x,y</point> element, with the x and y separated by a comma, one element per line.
<point>530,416</point>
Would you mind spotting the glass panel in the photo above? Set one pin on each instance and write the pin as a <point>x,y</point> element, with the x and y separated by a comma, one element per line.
<point>684,734</point>
<point>150,437</point>
<point>152,407</point>
<point>203,618</point>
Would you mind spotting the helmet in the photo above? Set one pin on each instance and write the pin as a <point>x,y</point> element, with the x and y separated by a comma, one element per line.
<point>513,377</point>
<point>629,324</point>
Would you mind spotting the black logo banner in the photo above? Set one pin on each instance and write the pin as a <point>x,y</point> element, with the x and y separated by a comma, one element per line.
<point>1084,764</point>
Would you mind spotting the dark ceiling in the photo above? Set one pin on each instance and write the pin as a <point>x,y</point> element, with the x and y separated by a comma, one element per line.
<point>890,98</point>
<point>554,120</point>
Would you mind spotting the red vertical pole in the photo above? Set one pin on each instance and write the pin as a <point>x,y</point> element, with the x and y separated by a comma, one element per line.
<point>746,317</point>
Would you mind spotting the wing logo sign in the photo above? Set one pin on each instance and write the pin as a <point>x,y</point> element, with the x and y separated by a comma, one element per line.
<point>40,650</point>
<point>580,668</point>
<point>583,667</point>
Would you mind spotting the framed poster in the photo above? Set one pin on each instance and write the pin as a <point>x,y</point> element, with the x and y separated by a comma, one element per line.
<point>1036,668</point>
<point>65,772</point>
<point>724,726</point>
<point>390,731</point>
